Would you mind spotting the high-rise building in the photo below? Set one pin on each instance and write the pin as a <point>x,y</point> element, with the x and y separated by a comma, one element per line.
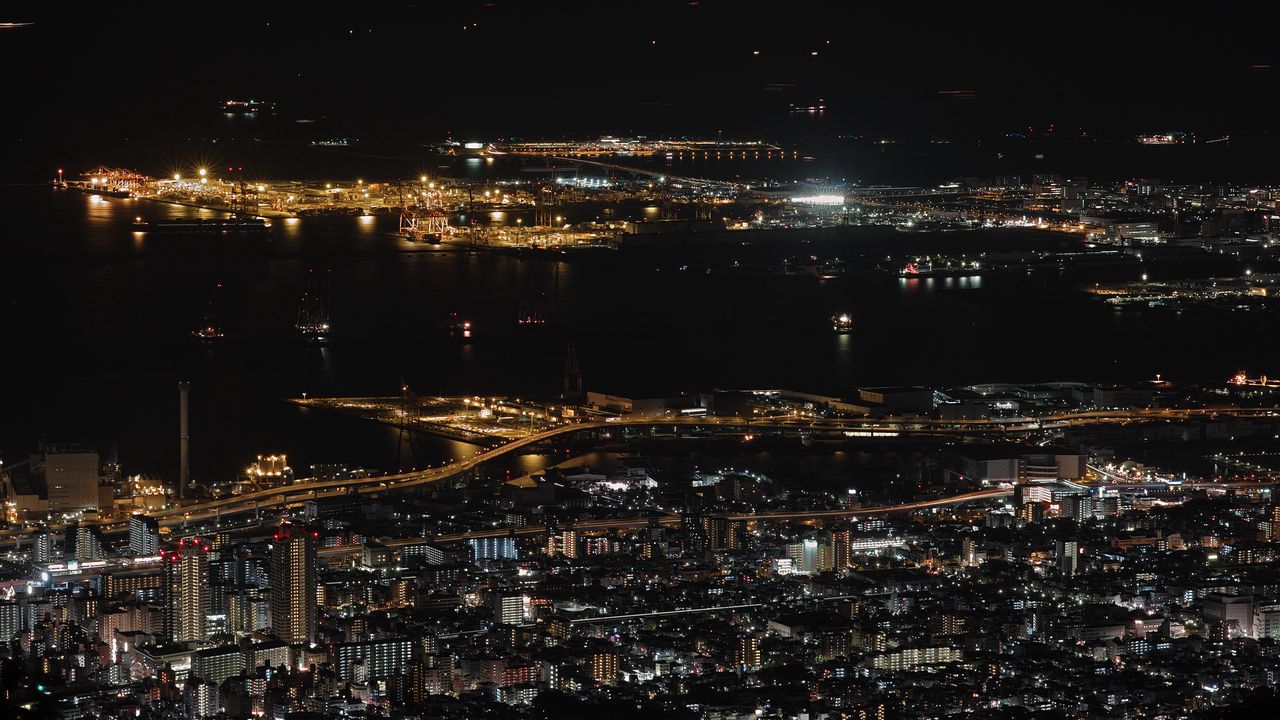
<point>43,546</point>
<point>379,658</point>
<point>598,545</point>
<point>71,478</point>
<point>1068,558</point>
<point>695,532</point>
<point>217,664</point>
<point>200,698</point>
<point>1268,621</point>
<point>826,557</point>
<point>717,532</point>
<point>558,627</point>
<point>1272,526</point>
<point>569,544</point>
<point>419,688</point>
<point>188,584</point>
<point>746,653</point>
<point>11,619</point>
<point>1033,512</point>
<point>604,667</point>
<point>293,583</point>
<point>841,549</point>
<point>240,611</point>
<point>564,543</point>
<point>804,556</point>
<point>85,542</point>
<point>724,534</point>
<point>1234,613</point>
<point>969,552</point>
<point>508,608</point>
<point>950,624</point>
<point>495,548</point>
<point>1080,508</point>
<point>1024,493</point>
<point>144,536</point>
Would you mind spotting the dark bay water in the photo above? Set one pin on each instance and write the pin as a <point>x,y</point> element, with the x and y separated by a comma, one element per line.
<point>96,327</point>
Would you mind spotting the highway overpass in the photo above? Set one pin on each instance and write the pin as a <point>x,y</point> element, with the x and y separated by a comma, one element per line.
<point>273,498</point>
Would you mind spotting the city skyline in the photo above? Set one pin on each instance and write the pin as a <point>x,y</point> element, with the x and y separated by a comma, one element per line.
<point>693,359</point>
<point>940,72</point>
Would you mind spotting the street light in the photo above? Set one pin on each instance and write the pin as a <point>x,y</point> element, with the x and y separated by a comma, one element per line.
<point>203,172</point>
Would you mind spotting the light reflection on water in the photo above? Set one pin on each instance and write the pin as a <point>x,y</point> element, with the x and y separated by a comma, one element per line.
<point>112,312</point>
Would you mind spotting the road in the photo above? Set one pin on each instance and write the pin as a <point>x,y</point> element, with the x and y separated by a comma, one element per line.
<point>635,523</point>
<point>662,177</point>
<point>273,498</point>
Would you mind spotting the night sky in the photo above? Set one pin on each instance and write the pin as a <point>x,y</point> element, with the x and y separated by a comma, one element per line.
<point>419,71</point>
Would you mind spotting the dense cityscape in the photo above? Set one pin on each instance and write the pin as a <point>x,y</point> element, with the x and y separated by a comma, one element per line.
<point>756,393</point>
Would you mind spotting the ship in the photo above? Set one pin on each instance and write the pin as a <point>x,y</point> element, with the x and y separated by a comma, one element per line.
<point>102,191</point>
<point>247,106</point>
<point>914,269</point>
<point>210,328</point>
<point>842,322</point>
<point>456,327</point>
<point>250,226</point>
<point>330,211</point>
<point>313,313</point>
<point>533,311</point>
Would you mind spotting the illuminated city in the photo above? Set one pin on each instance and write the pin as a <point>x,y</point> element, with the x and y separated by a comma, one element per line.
<point>690,360</point>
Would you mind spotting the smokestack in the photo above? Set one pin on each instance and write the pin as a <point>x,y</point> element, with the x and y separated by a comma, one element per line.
<point>184,441</point>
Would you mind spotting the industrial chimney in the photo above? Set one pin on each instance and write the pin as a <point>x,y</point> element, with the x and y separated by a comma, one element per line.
<point>184,441</point>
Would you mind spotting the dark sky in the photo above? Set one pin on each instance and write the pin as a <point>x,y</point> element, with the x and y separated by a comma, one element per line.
<point>509,68</point>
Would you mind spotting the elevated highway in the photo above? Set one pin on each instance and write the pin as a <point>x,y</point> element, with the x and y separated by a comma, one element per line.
<point>636,523</point>
<point>660,176</point>
<point>274,498</point>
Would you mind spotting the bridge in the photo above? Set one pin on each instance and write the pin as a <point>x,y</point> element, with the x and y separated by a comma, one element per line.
<point>905,192</point>
<point>347,552</point>
<point>668,520</point>
<point>278,497</point>
<point>636,523</point>
<point>661,177</point>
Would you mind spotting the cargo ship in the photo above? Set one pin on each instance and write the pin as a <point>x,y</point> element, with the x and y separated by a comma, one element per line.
<point>313,312</point>
<point>455,327</point>
<point>210,328</point>
<point>205,225</point>
<point>335,211</point>
<point>842,322</point>
<point>313,320</point>
<point>533,311</point>
<point>247,106</point>
<point>100,191</point>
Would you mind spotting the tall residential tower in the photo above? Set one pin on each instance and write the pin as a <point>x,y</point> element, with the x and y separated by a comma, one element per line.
<point>293,583</point>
